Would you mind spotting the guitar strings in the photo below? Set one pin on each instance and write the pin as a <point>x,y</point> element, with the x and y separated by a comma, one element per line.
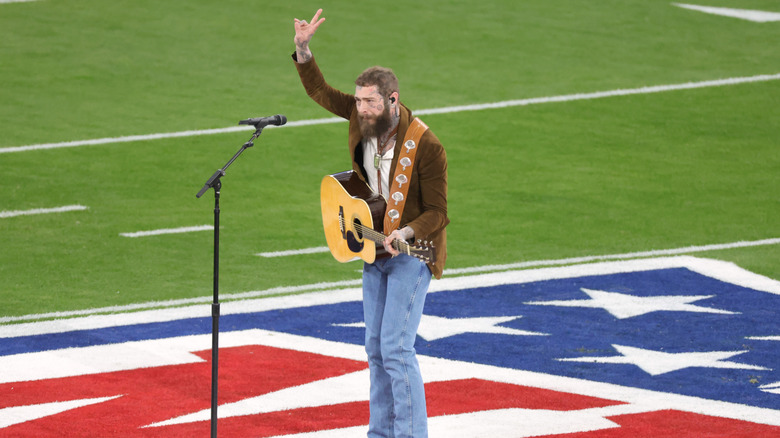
<point>378,237</point>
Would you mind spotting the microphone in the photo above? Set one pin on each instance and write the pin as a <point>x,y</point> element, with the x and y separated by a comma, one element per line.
<point>262,122</point>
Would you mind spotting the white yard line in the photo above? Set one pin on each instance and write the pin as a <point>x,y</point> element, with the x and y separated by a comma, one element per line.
<point>743,14</point>
<point>450,109</point>
<point>168,231</point>
<point>292,252</point>
<point>15,213</point>
<point>603,94</point>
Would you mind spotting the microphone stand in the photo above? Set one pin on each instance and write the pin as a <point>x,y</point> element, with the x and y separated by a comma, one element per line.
<point>215,182</point>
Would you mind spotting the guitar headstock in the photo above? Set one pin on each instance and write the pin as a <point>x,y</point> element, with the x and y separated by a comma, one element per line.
<point>424,251</point>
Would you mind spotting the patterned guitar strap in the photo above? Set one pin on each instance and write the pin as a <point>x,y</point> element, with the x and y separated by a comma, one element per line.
<point>399,186</point>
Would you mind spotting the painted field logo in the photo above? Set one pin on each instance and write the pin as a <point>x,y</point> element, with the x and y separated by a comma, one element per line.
<point>681,346</point>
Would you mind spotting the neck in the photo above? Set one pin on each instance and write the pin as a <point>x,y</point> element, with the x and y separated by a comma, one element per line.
<point>393,129</point>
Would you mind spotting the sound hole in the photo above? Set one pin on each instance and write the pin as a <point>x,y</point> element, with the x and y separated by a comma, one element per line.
<point>355,242</point>
<point>358,226</point>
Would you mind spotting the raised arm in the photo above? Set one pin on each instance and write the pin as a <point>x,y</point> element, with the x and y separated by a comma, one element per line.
<point>303,32</point>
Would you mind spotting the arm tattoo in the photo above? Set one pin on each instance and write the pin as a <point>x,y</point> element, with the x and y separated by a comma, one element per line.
<point>303,53</point>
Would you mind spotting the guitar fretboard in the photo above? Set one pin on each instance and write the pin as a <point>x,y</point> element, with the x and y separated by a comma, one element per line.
<point>377,237</point>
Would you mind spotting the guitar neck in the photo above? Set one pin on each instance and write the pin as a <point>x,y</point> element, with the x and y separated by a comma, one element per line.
<point>377,237</point>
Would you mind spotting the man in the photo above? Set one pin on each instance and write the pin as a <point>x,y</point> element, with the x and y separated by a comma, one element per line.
<point>394,288</point>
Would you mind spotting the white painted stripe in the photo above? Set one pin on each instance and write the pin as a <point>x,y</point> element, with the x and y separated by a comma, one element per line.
<point>450,109</point>
<point>764,338</point>
<point>97,318</point>
<point>184,302</point>
<point>630,255</point>
<point>292,252</point>
<point>7,214</point>
<point>743,14</point>
<point>132,138</point>
<point>572,260</point>
<point>16,1</point>
<point>755,281</point>
<point>603,94</point>
<point>23,414</point>
<point>355,283</point>
<point>168,231</point>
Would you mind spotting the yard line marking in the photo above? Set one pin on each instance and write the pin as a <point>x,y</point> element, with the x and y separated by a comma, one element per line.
<point>603,94</point>
<point>17,1</point>
<point>291,252</point>
<point>445,110</point>
<point>147,137</point>
<point>168,231</point>
<point>758,281</point>
<point>744,14</point>
<point>7,214</point>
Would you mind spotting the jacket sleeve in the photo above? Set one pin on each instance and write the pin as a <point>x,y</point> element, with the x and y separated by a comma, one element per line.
<point>333,100</point>
<point>432,174</point>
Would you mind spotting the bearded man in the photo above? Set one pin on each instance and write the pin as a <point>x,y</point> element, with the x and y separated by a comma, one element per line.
<point>394,287</point>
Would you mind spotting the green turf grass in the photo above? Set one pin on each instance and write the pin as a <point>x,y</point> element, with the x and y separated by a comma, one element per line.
<point>541,182</point>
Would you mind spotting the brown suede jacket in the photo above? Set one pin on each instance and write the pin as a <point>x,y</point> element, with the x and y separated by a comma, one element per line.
<point>426,202</point>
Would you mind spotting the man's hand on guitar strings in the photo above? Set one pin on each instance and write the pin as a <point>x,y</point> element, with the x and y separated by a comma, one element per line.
<point>405,234</point>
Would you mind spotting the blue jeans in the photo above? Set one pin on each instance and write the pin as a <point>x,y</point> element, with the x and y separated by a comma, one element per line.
<point>394,292</point>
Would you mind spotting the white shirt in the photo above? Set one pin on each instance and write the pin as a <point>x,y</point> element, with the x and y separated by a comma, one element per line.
<point>369,150</point>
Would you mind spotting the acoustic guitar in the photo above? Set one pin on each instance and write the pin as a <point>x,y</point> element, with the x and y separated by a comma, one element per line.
<point>352,217</point>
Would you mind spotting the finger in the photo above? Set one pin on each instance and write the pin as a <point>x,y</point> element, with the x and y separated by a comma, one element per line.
<point>316,16</point>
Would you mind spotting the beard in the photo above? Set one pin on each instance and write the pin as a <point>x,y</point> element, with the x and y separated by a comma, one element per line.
<point>375,126</point>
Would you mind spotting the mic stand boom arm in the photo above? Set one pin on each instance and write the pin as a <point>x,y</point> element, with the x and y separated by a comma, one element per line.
<point>214,181</point>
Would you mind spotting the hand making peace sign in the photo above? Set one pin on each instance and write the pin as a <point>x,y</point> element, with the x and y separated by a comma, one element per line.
<point>303,32</point>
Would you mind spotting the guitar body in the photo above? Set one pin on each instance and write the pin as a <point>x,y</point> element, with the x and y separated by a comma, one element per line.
<point>350,209</point>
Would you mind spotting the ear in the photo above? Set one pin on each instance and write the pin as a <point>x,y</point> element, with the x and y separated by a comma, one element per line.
<point>393,97</point>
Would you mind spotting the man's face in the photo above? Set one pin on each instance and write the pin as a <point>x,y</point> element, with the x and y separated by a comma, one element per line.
<point>373,112</point>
